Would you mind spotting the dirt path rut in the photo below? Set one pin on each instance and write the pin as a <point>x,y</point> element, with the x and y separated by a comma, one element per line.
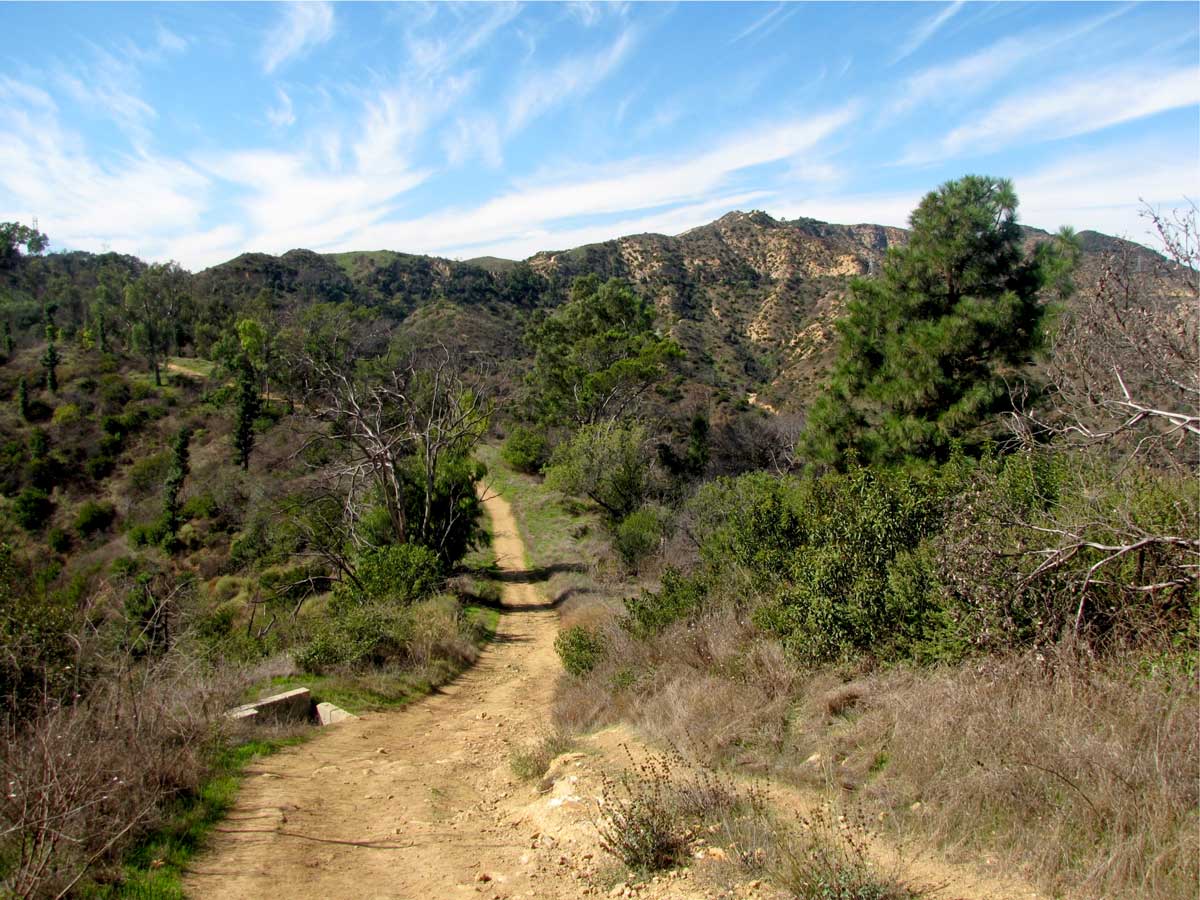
<point>407,804</point>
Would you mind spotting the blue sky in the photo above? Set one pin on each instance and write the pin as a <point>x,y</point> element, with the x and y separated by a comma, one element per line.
<point>197,132</point>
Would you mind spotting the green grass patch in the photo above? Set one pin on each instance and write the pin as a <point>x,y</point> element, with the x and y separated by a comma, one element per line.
<point>356,692</point>
<point>487,618</point>
<point>555,529</point>
<point>154,869</point>
<point>189,365</point>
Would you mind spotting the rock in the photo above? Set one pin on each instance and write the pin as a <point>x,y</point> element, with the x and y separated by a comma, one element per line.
<point>483,877</point>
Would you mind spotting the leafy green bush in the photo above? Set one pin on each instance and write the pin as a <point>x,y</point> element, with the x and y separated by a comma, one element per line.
<point>526,449</point>
<point>399,573</point>
<point>835,600</point>
<point>93,517</point>
<point>580,649</point>
<point>150,472</point>
<point>200,506</point>
<point>32,509</point>
<point>58,540</point>
<point>114,391</point>
<point>356,635</point>
<point>679,597</point>
<point>100,466</point>
<point>608,463</point>
<point>66,414</point>
<point>148,534</point>
<point>640,534</point>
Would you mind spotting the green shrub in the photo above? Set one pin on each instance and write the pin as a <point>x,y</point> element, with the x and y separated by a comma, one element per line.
<point>607,463</point>
<point>99,467</point>
<point>66,414</point>
<point>58,540</point>
<point>32,509</point>
<point>580,649</point>
<point>357,635</point>
<point>679,597</point>
<point>833,600</point>
<point>93,517</point>
<point>399,573</point>
<point>200,506</point>
<point>526,449</point>
<point>640,534</point>
<point>114,391</point>
<point>149,472</point>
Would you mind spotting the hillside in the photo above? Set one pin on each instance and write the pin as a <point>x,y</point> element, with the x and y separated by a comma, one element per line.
<point>751,298</point>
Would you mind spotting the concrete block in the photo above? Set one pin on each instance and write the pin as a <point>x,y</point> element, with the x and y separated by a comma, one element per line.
<point>290,706</point>
<point>328,714</point>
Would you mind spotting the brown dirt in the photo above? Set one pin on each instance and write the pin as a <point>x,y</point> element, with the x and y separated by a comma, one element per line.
<point>421,803</point>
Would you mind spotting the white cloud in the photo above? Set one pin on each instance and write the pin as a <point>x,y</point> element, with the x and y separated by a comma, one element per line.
<point>128,202</point>
<point>549,237</point>
<point>303,26</point>
<point>169,41</point>
<point>543,90</point>
<point>972,74</point>
<point>283,115</point>
<point>553,205</point>
<point>433,55</point>
<point>1078,105</point>
<point>927,29</point>
<point>108,86</point>
<point>472,136</point>
<point>1101,191</point>
<point>758,23</point>
<point>854,209</point>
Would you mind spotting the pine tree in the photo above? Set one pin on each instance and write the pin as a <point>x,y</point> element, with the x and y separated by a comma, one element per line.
<point>6,341</point>
<point>180,466</point>
<point>249,405</point>
<point>23,399</point>
<point>50,361</point>
<point>101,336</point>
<point>928,349</point>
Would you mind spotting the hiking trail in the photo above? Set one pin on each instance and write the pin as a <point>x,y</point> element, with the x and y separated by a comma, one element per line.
<point>420,803</point>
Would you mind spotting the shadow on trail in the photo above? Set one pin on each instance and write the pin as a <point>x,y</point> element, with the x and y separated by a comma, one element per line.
<point>535,575</point>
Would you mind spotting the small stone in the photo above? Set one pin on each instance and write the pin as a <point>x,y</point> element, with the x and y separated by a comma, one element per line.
<point>483,877</point>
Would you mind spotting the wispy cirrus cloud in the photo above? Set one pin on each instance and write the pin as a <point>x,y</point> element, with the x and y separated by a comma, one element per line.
<point>969,75</point>
<point>765,24</point>
<point>302,27</point>
<point>434,48</point>
<point>284,114</point>
<point>1079,104</point>
<point>1100,190</point>
<point>551,210</point>
<point>128,202</point>
<point>927,29</point>
<point>544,89</point>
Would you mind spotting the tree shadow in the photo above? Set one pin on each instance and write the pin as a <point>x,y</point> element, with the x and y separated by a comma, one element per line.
<point>535,575</point>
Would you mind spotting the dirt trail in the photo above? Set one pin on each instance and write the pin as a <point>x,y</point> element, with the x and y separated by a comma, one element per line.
<point>421,804</point>
<point>409,803</point>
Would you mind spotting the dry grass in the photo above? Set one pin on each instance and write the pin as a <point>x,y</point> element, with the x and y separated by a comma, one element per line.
<point>82,782</point>
<point>532,761</point>
<point>1081,775</point>
<point>713,688</point>
<point>1085,777</point>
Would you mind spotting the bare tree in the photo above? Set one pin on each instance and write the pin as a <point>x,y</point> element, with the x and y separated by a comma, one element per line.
<point>1125,390</point>
<point>394,422</point>
<point>1125,364</point>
